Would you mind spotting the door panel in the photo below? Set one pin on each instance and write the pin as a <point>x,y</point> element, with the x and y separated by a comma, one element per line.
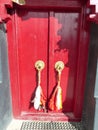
<point>50,36</point>
<point>37,41</point>
<point>63,47</point>
<point>32,29</point>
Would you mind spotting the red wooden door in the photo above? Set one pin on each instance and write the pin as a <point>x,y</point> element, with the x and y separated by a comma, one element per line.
<point>32,46</point>
<point>63,45</point>
<point>50,36</point>
<point>51,39</point>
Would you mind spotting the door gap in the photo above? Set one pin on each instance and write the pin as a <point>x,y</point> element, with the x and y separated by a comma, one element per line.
<point>48,60</point>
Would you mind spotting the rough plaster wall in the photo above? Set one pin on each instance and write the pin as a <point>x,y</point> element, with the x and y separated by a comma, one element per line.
<point>5,102</point>
<point>89,103</point>
<point>96,90</point>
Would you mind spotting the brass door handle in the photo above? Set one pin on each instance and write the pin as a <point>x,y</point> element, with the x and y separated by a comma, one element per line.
<point>59,66</point>
<point>39,65</point>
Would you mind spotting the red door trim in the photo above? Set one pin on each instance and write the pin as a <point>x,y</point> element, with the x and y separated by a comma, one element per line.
<point>81,64</point>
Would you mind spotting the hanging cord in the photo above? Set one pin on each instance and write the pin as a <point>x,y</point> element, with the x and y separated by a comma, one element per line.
<point>58,101</point>
<point>39,77</point>
<point>59,78</point>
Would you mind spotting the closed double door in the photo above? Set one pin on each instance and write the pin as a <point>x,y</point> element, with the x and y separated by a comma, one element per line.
<point>49,36</point>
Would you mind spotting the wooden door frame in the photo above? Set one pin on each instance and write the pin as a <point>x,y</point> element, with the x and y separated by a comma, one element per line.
<point>81,65</point>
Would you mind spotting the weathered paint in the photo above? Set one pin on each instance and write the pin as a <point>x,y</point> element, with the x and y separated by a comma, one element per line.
<point>50,35</point>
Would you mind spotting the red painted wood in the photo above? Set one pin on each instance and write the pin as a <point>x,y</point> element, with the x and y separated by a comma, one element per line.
<point>49,36</point>
<point>4,4</point>
<point>49,116</point>
<point>32,35</point>
<point>81,65</point>
<point>63,46</point>
<point>53,4</point>
<point>13,66</point>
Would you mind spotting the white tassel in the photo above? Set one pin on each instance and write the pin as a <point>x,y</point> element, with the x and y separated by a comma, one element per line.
<point>37,98</point>
<point>59,98</point>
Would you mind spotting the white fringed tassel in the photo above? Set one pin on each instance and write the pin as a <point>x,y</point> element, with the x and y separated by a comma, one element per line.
<point>37,98</point>
<point>59,98</point>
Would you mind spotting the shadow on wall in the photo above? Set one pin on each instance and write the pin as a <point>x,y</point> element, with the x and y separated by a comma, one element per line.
<point>5,102</point>
<point>89,105</point>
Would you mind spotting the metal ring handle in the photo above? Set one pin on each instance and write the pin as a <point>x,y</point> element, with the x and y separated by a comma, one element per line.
<point>39,65</point>
<point>59,66</point>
